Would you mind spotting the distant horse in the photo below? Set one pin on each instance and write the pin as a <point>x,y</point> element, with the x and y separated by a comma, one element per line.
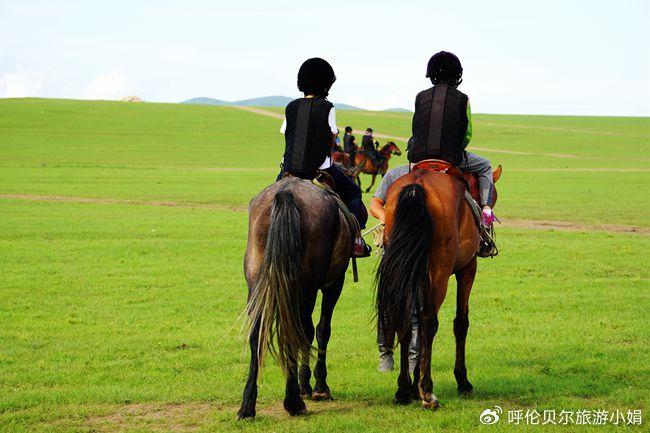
<point>430,234</point>
<point>341,157</point>
<point>364,164</point>
<point>299,240</point>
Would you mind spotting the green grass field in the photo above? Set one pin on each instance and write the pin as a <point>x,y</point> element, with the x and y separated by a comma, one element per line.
<point>121,283</point>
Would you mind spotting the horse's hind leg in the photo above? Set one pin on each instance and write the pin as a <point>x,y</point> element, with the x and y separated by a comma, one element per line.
<point>331,295</point>
<point>305,373</point>
<point>465,279</point>
<point>293,403</point>
<point>428,329</point>
<point>249,400</point>
<point>403,394</point>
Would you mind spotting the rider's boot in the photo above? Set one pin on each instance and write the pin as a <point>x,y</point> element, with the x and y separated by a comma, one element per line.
<point>488,247</point>
<point>361,248</point>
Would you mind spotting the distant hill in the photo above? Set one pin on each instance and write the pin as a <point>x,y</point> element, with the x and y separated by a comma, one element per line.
<point>206,101</point>
<point>264,101</point>
<point>398,110</point>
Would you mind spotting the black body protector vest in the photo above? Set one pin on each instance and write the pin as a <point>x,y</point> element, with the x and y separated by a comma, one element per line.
<point>439,125</point>
<point>348,143</point>
<point>367,143</point>
<point>308,135</point>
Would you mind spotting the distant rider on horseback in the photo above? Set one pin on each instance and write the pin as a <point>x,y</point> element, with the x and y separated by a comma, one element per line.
<point>369,149</point>
<point>349,145</point>
<point>309,130</point>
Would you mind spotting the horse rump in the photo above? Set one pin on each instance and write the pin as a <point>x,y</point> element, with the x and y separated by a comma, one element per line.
<point>404,267</point>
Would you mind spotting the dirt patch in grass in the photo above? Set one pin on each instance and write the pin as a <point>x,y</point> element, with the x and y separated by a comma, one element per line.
<point>188,417</point>
<point>567,226</point>
<point>95,200</point>
<point>571,226</point>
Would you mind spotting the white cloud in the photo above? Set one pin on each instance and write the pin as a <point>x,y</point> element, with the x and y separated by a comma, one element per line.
<point>19,84</point>
<point>113,85</point>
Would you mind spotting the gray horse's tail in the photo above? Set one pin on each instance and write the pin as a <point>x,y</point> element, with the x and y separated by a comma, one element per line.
<point>276,301</point>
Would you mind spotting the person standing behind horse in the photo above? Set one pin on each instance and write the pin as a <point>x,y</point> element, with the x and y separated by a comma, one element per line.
<point>310,129</point>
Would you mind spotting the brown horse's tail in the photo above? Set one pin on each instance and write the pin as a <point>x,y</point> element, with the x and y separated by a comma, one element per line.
<point>404,267</point>
<point>276,302</point>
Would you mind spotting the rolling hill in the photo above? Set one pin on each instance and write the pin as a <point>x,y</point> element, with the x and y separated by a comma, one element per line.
<point>264,101</point>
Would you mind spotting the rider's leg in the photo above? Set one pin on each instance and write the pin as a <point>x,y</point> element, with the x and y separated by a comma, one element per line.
<point>474,163</point>
<point>386,361</point>
<point>350,193</point>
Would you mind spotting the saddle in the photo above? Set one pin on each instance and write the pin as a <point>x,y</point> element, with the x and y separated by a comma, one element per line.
<point>468,179</point>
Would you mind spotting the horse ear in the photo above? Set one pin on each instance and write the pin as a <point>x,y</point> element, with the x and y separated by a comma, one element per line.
<point>496,173</point>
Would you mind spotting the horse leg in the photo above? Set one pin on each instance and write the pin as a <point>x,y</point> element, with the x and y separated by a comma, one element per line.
<point>372,183</point>
<point>293,403</point>
<point>331,295</point>
<point>465,279</point>
<point>304,374</point>
<point>403,393</point>
<point>428,329</point>
<point>249,400</point>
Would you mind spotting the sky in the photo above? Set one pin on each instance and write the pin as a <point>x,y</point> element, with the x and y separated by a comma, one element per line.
<point>525,57</point>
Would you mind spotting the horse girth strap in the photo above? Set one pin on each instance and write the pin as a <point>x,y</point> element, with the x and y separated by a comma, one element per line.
<point>438,101</point>
<point>301,132</point>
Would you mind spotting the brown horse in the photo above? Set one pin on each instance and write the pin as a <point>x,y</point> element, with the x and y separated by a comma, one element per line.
<point>299,240</point>
<point>364,164</point>
<point>430,234</point>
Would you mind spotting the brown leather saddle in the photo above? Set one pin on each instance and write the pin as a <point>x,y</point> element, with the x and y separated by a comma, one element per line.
<point>470,180</point>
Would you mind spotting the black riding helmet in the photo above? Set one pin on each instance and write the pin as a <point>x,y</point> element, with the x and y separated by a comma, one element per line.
<point>445,67</point>
<point>315,77</point>
<point>348,129</point>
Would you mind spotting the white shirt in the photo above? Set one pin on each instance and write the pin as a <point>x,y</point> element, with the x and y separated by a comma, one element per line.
<point>331,120</point>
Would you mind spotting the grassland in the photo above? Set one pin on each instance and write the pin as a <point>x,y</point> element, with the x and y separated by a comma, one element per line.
<point>123,229</point>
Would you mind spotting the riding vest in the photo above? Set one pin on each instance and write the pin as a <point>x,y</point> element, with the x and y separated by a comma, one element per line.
<point>348,143</point>
<point>439,125</point>
<point>308,135</point>
<point>367,143</point>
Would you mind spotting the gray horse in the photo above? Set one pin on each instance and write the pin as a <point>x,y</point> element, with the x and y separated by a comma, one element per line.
<point>299,241</point>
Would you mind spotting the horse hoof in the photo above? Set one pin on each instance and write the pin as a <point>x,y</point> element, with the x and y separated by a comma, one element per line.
<point>402,398</point>
<point>306,393</point>
<point>245,413</point>
<point>432,403</point>
<point>465,390</point>
<point>295,408</point>
<point>321,396</point>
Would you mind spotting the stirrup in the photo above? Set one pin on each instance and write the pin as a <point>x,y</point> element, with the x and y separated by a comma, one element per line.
<point>487,246</point>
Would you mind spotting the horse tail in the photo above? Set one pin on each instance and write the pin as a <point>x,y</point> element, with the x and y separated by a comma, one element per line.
<point>276,302</point>
<point>404,267</point>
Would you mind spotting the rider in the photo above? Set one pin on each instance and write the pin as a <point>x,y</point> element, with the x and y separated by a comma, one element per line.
<point>309,130</point>
<point>368,148</point>
<point>349,145</point>
<point>442,126</point>
<point>451,138</point>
